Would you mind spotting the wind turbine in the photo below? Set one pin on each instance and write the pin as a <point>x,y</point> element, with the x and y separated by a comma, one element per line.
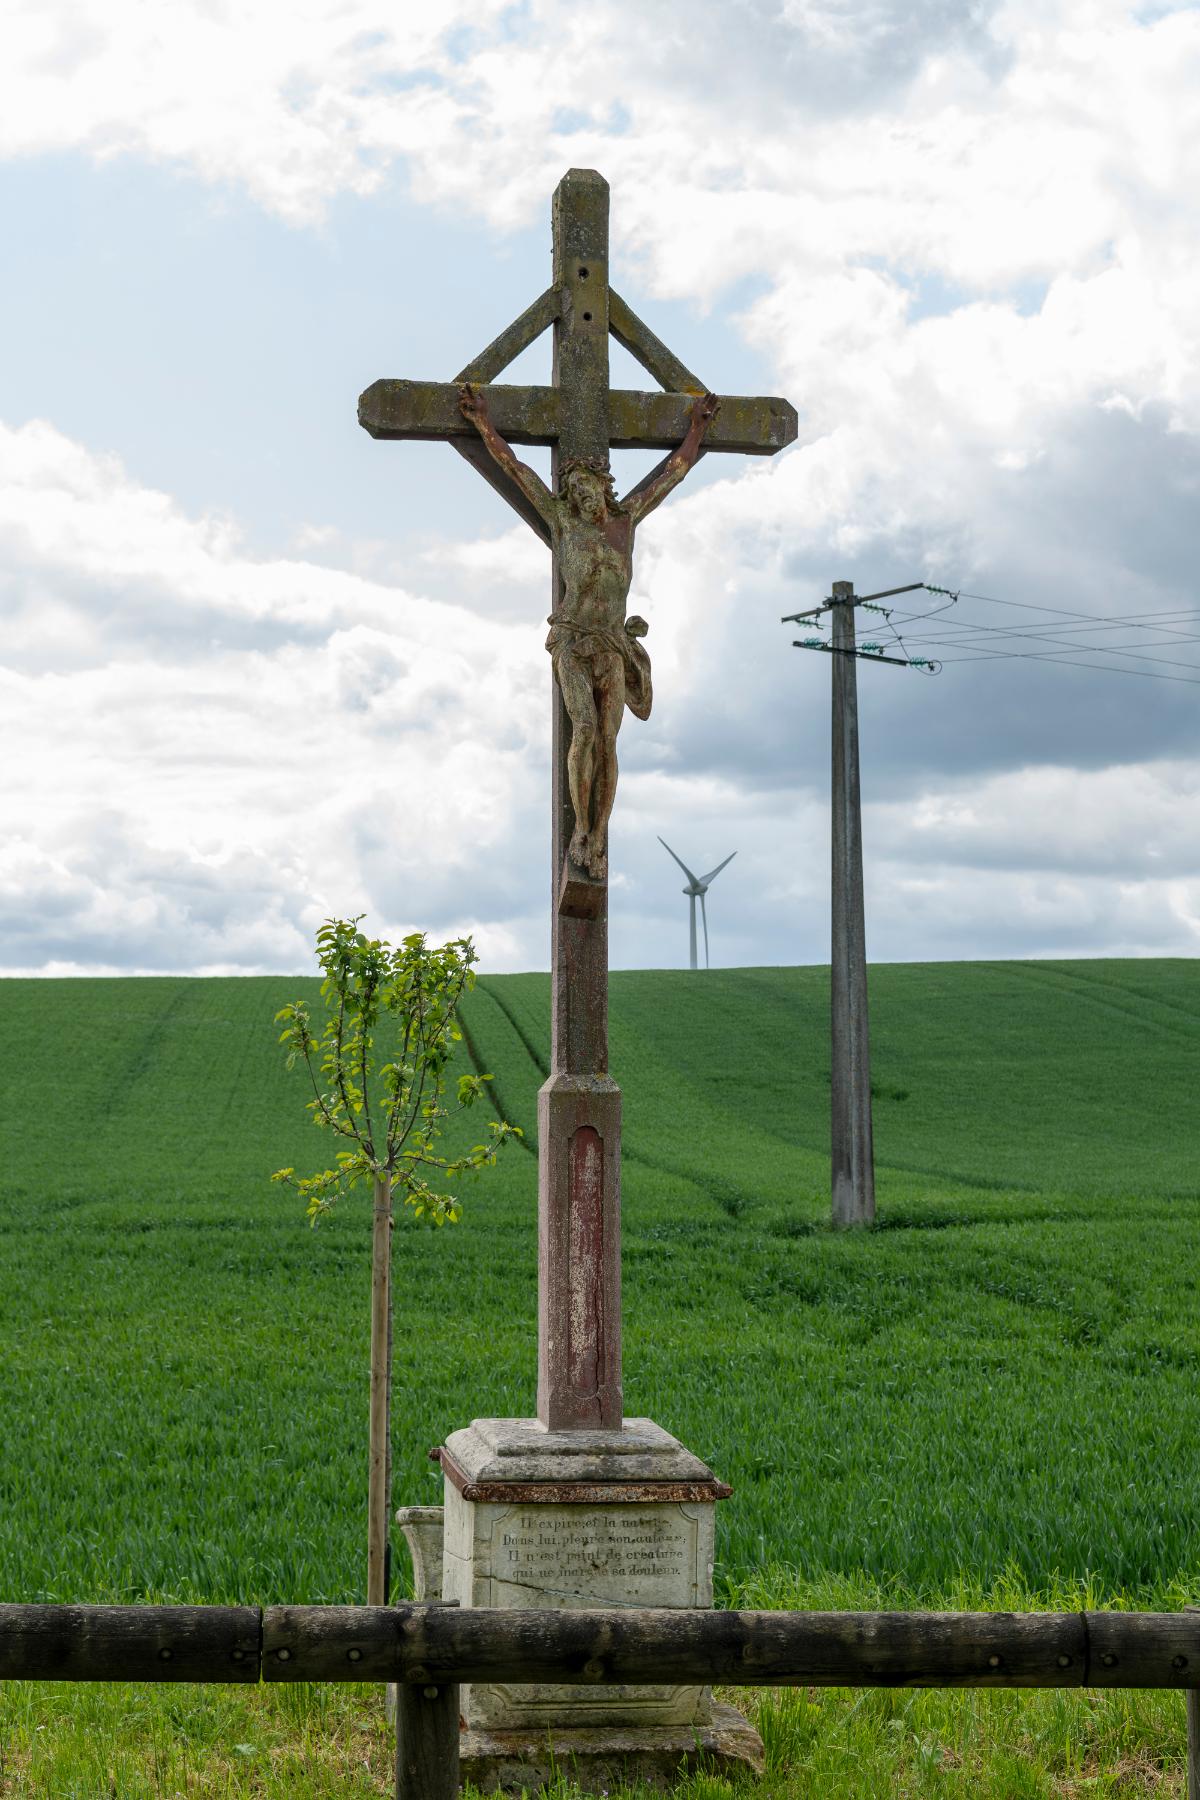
<point>698,886</point>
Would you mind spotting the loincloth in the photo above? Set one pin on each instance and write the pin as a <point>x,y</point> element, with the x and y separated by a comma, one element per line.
<point>588,641</point>
<point>592,644</point>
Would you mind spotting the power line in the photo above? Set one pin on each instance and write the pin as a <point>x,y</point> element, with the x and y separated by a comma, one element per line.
<point>1025,605</point>
<point>978,651</point>
<point>957,643</point>
<point>1035,632</point>
<point>1161,630</point>
<point>982,655</point>
<point>1116,621</point>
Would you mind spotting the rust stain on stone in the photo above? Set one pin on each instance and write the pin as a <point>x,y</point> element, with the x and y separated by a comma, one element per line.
<point>585,1306</point>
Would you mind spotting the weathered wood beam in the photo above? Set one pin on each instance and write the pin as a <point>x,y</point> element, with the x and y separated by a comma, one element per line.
<point>427,1741</point>
<point>513,339</point>
<point>129,1643</point>
<point>415,410</point>
<point>476,453</point>
<point>433,1645</point>
<point>484,368</point>
<point>1192,1707</point>
<point>634,335</point>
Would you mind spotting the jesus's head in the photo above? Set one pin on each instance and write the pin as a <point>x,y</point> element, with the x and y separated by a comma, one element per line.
<point>588,491</point>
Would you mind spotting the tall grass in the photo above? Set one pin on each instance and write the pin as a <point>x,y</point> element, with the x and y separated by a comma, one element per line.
<point>1001,1376</point>
<point>990,1398</point>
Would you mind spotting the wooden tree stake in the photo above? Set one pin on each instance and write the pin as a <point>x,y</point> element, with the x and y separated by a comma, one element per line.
<point>380,1481</point>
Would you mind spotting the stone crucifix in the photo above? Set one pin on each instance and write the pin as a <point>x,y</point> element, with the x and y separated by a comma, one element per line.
<point>600,666</point>
<point>599,663</point>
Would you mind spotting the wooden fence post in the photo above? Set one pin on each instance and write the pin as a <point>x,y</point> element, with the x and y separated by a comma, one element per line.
<point>1192,1698</point>
<point>426,1741</point>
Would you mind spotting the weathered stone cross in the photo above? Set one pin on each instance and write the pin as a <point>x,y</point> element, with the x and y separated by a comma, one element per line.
<point>579,1108</point>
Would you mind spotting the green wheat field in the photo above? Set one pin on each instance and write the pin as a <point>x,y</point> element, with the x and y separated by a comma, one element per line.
<point>989,1399</point>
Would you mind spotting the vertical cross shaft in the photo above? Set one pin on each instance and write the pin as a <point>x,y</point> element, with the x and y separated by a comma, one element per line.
<point>853,1162</point>
<point>579,1108</point>
<point>579,1022</point>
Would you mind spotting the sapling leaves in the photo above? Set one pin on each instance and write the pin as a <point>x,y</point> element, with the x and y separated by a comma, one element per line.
<point>401,1002</point>
<point>391,1107</point>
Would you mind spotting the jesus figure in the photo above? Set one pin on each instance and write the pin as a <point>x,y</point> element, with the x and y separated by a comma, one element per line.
<point>599,662</point>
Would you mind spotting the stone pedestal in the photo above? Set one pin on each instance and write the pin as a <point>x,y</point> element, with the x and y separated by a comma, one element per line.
<point>576,1519</point>
<point>603,1758</point>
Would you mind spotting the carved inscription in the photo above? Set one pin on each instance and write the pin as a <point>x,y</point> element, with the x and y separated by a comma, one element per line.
<point>645,1556</point>
<point>563,1556</point>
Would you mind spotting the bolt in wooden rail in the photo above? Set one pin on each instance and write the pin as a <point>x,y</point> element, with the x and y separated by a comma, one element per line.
<point>429,1649</point>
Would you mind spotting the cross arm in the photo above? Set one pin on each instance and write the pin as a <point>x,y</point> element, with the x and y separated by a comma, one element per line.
<point>514,338</point>
<point>485,367</point>
<point>744,426</point>
<point>636,337</point>
<point>530,415</point>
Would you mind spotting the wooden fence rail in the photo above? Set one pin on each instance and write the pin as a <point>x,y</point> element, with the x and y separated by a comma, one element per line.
<point>429,1649</point>
<point>131,1643</point>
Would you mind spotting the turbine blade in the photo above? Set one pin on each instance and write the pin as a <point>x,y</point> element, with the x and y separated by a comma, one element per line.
<point>704,916</point>
<point>705,879</point>
<point>679,859</point>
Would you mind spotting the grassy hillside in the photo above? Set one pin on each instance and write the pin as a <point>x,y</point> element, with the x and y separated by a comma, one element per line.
<point>1003,1375</point>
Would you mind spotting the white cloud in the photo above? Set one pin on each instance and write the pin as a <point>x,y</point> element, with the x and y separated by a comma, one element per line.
<point>201,801</point>
<point>275,98</point>
<point>1136,820</point>
<point>969,232</point>
<point>500,574</point>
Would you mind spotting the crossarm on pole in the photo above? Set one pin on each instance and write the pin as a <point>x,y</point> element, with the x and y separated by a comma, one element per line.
<point>863,654</point>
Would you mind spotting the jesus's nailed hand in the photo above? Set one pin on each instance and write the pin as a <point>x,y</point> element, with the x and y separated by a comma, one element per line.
<point>704,411</point>
<point>472,403</point>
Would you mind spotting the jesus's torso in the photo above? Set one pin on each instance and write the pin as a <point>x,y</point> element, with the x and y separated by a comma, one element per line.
<point>597,567</point>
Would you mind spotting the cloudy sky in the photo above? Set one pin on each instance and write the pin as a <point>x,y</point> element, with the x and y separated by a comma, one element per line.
<point>256,668</point>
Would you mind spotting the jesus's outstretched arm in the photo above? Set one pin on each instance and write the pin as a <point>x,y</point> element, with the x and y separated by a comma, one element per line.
<point>472,403</point>
<point>644,500</point>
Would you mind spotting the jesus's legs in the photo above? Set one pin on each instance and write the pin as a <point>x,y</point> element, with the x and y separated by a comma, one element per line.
<point>575,685</point>
<point>610,694</point>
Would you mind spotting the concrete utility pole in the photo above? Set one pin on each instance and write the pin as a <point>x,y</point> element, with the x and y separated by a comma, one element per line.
<point>851,1145</point>
<point>852,1150</point>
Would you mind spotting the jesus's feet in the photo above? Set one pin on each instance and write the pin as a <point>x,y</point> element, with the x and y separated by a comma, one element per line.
<point>579,850</point>
<point>597,861</point>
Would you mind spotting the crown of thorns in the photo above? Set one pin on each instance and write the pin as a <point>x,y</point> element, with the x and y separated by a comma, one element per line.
<point>591,465</point>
